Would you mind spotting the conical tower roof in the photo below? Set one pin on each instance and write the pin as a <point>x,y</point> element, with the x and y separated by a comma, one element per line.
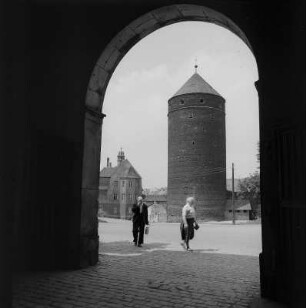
<point>196,84</point>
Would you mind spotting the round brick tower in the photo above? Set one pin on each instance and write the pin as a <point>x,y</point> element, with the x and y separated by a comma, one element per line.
<point>196,150</point>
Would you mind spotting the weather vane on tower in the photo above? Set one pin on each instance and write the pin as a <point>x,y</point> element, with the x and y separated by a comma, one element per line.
<point>196,65</point>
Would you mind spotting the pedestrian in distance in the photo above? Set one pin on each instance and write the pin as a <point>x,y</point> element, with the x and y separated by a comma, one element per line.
<point>140,220</point>
<point>189,223</point>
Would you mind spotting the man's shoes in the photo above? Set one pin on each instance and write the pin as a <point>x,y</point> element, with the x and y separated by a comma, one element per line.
<point>139,245</point>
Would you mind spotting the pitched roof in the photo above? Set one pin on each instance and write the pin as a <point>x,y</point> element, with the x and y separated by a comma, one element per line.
<point>125,169</point>
<point>196,84</point>
<point>245,207</point>
<point>107,172</point>
<point>239,204</point>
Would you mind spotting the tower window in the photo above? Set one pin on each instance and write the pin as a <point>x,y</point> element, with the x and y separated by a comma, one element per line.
<point>193,142</point>
<point>201,100</point>
<point>182,102</point>
<point>191,115</point>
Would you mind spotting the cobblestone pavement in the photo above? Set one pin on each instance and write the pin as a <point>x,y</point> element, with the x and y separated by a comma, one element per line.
<point>151,276</point>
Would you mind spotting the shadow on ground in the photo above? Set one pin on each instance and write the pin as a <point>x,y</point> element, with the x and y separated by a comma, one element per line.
<point>128,248</point>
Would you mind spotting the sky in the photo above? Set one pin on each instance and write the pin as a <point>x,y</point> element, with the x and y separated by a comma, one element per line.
<point>136,100</point>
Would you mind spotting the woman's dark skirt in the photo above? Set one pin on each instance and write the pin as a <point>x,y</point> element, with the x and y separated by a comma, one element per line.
<point>190,230</point>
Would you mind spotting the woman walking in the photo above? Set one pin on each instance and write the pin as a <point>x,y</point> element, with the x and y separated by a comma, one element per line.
<point>188,223</point>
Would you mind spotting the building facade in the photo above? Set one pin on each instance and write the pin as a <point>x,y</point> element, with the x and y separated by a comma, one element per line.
<point>157,212</point>
<point>242,208</point>
<point>157,208</point>
<point>119,187</point>
<point>196,149</point>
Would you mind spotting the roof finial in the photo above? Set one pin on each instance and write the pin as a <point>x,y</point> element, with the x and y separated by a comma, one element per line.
<point>195,65</point>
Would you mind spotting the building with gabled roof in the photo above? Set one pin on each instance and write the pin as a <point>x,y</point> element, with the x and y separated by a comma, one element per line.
<point>119,187</point>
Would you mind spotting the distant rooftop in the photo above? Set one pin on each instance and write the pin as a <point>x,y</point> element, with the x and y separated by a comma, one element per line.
<point>125,169</point>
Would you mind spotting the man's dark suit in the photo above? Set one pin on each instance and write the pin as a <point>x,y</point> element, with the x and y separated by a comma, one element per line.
<point>139,222</point>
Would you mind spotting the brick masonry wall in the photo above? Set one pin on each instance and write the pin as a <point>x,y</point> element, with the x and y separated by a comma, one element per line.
<point>197,154</point>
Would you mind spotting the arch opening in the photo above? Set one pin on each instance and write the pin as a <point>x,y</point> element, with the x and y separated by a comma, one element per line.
<point>98,83</point>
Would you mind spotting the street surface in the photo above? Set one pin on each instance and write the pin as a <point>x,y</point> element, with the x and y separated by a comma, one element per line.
<point>217,237</point>
<point>222,270</point>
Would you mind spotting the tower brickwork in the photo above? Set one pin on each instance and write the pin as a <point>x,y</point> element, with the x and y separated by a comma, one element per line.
<point>196,150</point>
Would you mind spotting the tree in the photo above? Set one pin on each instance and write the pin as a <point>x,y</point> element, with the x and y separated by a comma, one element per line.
<point>250,189</point>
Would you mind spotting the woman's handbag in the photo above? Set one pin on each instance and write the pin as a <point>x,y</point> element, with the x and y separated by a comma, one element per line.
<point>196,226</point>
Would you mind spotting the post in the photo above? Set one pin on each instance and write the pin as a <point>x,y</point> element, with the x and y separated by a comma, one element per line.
<point>233,198</point>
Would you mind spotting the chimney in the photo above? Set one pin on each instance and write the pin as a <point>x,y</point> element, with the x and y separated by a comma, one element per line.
<point>107,165</point>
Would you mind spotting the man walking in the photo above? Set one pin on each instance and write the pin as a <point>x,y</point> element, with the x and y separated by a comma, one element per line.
<point>140,219</point>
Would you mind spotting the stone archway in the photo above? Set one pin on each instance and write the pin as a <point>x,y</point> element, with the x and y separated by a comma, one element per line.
<point>99,79</point>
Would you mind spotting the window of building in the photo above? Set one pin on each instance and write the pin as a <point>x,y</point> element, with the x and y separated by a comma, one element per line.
<point>123,197</point>
<point>182,102</point>
<point>201,100</point>
<point>130,183</point>
<point>115,183</point>
<point>123,183</point>
<point>130,197</point>
<point>115,197</point>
